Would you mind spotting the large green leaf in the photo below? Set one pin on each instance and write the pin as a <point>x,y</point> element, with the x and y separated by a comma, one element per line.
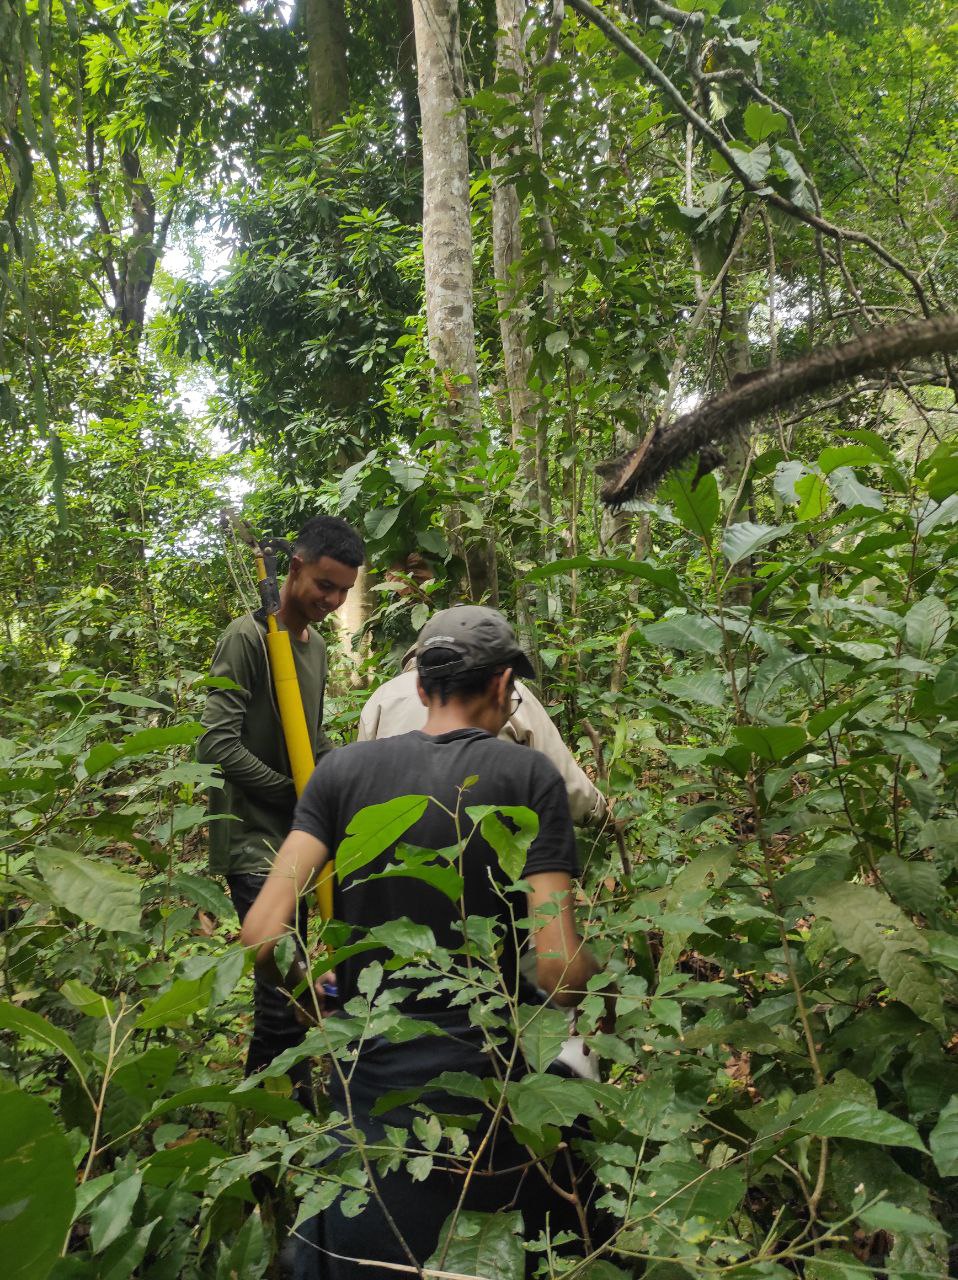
<point>374,829</point>
<point>620,566</point>
<point>33,1027</point>
<point>696,505</point>
<point>487,1245</point>
<point>174,1007</point>
<point>742,538</point>
<point>927,624</point>
<point>511,846</point>
<point>812,494</point>
<point>541,1100</point>
<point>542,1032</point>
<point>92,889</point>
<point>37,1186</point>
<point>114,1210</point>
<point>831,1112</point>
<point>686,632</point>
<point>943,1141</point>
<point>772,741</point>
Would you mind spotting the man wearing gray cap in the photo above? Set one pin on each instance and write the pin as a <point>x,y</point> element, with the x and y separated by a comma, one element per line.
<point>467,660</point>
<point>395,708</point>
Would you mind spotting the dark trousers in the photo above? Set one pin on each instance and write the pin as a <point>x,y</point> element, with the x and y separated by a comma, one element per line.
<point>506,1178</point>
<point>275,1027</point>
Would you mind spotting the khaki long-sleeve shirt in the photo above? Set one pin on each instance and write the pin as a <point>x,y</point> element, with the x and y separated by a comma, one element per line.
<point>395,708</point>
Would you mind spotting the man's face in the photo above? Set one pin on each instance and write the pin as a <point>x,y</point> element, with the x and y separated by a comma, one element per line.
<point>320,586</point>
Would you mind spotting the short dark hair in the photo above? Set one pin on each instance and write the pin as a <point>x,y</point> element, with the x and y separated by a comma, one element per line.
<point>330,536</point>
<point>460,684</point>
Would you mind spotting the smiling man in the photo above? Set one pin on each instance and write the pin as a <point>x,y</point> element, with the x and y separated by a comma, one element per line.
<point>244,736</point>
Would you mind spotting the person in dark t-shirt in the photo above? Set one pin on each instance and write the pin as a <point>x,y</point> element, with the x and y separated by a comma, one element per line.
<point>467,658</point>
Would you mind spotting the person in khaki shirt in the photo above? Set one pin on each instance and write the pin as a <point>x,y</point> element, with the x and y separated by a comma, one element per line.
<point>395,708</point>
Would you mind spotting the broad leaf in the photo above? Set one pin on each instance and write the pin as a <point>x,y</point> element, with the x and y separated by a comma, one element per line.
<point>943,1141</point>
<point>812,493</point>
<point>833,1115</point>
<point>481,1244</point>
<point>685,632</point>
<point>33,1027</point>
<point>538,1101</point>
<point>771,742</point>
<point>927,624</point>
<point>742,538</point>
<point>174,1007</point>
<point>374,829</point>
<point>511,847</point>
<point>695,504</point>
<point>542,1032</point>
<point>37,1186</point>
<point>113,1211</point>
<point>92,889</point>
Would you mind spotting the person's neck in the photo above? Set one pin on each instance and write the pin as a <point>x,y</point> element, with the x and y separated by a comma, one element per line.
<point>457,715</point>
<point>295,622</point>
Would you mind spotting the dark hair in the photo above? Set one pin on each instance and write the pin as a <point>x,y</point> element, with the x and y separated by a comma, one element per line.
<point>459,684</point>
<point>330,536</point>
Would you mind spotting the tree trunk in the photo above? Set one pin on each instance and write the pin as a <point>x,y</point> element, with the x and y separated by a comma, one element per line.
<point>326,51</point>
<point>447,251</point>
<point>738,451</point>
<point>406,75</point>
<point>513,307</point>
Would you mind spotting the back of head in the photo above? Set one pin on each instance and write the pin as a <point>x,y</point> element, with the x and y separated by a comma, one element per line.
<point>330,536</point>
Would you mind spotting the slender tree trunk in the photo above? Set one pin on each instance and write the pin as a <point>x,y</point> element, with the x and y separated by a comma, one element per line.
<point>406,75</point>
<point>326,48</point>
<point>738,450</point>
<point>447,251</point>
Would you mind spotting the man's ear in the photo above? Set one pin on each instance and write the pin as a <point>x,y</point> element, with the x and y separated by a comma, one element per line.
<point>505,681</point>
<point>296,563</point>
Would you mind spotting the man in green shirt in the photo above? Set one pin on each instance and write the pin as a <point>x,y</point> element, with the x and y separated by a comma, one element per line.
<point>244,736</point>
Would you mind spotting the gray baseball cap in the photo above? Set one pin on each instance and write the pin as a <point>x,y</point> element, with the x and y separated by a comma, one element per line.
<point>479,637</point>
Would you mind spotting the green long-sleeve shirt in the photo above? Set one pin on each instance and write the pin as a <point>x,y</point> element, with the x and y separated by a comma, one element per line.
<point>244,736</point>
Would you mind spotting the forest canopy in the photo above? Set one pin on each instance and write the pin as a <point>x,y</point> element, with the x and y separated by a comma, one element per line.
<point>454,271</point>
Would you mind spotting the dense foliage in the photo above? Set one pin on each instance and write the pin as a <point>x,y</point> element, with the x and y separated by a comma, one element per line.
<point>760,664</point>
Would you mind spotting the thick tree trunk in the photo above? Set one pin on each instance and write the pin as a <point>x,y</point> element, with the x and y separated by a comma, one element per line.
<point>326,49</point>
<point>447,247</point>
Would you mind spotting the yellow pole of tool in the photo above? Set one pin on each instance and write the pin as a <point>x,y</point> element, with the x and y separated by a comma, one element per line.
<point>290,701</point>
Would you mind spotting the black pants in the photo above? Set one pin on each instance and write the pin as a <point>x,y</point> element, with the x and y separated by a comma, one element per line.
<point>503,1181</point>
<point>275,1027</point>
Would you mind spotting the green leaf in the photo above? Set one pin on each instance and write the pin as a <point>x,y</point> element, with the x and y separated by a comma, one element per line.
<point>204,893</point>
<point>482,1244</point>
<point>174,1007</point>
<point>742,538</point>
<point>943,1141</point>
<point>812,494</point>
<point>762,121</point>
<point>927,624</point>
<point>845,455</point>
<point>753,164</point>
<point>421,864</point>
<point>696,506</point>
<point>542,1032</point>
<point>898,1220</point>
<point>850,491</point>
<point>248,1256</point>
<point>686,632</point>
<point>925,754</point>
<point>538,1101</point>
<point>32,1026</point>
<point>556,341</point>
<point>144,1076</point>
<point>835,1115</point>
<point>835,1264</point>
<point>771,742</point>
<point>511,846</point>
<point>92,889</point>
<point>37,1186</point>
<point>374,829</point>
<point>140,744</point>
<point>86,1000</point>
<point>138,700</point>
<point>707,688</point>
<point>113,1212</point>
<point>664,578</point>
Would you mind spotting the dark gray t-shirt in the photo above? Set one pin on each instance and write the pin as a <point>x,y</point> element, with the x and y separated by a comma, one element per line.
<point>367,773</point>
